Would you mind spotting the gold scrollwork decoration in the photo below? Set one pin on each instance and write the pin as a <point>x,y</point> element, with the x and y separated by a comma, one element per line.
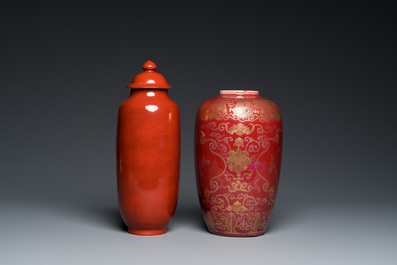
<point>232,210</point>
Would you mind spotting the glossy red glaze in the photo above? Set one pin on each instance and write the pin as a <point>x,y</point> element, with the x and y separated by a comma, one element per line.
<point>238,142</point>
<point>148,155</point>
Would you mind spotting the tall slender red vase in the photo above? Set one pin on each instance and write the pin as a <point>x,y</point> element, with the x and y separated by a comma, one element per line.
<point>238,142</point>
<point>148,154</point>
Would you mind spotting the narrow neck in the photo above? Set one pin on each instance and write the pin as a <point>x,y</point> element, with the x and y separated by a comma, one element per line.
<point>239,94</point>
<point>150,92</point>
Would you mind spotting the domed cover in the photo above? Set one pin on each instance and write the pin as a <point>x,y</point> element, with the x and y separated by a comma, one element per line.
<point>149,78</point>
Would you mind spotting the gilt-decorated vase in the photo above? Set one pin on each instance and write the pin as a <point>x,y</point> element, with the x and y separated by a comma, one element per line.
<point>238,144</point>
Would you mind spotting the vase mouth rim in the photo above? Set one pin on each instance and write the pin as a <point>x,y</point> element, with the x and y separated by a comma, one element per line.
<point>239,92</point>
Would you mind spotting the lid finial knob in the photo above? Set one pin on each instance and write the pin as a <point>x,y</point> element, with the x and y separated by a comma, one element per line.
<point>149,65</point>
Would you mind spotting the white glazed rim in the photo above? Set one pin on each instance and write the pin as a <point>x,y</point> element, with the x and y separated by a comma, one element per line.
<point>245,92</point>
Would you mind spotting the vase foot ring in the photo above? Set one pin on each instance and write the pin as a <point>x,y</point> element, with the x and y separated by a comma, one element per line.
<point>147,232</point>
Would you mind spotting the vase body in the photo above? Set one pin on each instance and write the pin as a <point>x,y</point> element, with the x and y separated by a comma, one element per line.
<point>238,142</point>
<point>148,155</point>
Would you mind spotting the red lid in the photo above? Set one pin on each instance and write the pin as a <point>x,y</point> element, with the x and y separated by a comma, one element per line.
<point>149,78</point>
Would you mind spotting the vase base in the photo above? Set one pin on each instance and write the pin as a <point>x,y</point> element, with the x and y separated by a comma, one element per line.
<point>147,232</point>
<point>236,234</point>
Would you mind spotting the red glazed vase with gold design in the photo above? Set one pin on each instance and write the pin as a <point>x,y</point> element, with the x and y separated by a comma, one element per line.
<point>148,154</point>
<point>238,142</point>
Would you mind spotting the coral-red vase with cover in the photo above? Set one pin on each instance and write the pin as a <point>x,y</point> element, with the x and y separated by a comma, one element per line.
<point>148,154</point>
<point>238,142</point>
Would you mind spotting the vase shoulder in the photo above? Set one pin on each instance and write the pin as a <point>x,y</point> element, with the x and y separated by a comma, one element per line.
<point>140,100</point>
<point>239,109</point>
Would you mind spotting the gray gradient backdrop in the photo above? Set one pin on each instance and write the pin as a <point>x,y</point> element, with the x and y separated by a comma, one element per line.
<point>330,67</point>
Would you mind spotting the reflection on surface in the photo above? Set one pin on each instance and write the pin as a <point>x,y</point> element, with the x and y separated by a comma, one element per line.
<point>152,108</point>
<point>242,112</point>
<point>150,94</point>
